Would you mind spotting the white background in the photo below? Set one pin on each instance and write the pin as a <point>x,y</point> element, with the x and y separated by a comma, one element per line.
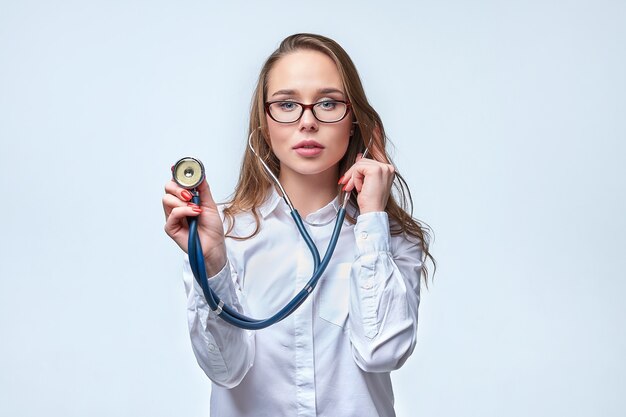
<point>509,124</point>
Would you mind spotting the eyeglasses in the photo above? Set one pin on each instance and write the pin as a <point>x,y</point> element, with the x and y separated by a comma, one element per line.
<point>327,111</point>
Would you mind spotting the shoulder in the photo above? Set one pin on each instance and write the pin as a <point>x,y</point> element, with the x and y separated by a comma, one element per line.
<point>237,223</point>
<point>244,222</point>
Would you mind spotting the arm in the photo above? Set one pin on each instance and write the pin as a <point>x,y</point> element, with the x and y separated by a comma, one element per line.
<point>384,295</point>
<point>224,352</point>
<point>384,292</point>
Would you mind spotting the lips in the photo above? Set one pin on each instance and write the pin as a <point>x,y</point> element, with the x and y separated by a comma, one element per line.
<point>308,144</point>
<point>308,148</point>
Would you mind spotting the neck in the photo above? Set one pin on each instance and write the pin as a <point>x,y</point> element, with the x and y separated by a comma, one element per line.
<point>309,193</point>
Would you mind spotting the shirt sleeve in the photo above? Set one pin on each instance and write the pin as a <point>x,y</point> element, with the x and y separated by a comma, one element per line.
<point>384,295</point>
<point>224,352</point>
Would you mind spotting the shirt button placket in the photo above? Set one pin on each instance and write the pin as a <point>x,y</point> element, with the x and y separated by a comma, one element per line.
<point>305,379</point>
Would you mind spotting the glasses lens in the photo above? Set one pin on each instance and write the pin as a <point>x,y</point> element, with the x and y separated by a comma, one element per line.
<point>285,111</point>
<point>330,111</point>
<point>326,111</point>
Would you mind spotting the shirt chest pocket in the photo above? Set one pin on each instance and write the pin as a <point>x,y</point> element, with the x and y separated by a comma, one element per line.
<point>334,294</point>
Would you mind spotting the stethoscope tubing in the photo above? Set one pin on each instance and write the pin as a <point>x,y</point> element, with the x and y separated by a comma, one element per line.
<point>232,316</point>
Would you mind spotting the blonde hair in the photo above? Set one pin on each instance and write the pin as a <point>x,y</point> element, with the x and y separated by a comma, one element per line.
<point>254,182</point>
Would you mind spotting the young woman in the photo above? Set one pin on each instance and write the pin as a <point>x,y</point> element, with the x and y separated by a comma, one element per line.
<point>311,123</point>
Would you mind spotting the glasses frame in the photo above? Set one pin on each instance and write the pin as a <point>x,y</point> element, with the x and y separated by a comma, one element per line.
<point>306,106</point>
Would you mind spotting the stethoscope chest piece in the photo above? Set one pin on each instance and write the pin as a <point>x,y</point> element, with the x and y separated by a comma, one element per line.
<point>188,172</point>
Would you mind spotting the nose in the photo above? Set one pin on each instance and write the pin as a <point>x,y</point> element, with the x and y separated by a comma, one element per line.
<point>308,121</point>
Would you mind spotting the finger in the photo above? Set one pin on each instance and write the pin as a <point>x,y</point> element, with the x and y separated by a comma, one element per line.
<point>368,168</point>
<point>176,220</point>
<point>172,188</point>
<point>357,180</point>
<point>345,178</point>
<point>349,186</point>
<point>170,202</point>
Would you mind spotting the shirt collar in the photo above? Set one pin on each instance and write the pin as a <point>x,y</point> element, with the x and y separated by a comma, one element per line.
<point>271,202</point>
<point>325,215</point>
<point>321,217</point>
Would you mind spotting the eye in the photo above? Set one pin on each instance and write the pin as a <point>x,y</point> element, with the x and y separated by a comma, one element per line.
<point>287,105</point>
<point>327,105</point>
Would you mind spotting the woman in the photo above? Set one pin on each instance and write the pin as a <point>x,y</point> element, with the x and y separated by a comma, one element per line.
<point>311,123</point>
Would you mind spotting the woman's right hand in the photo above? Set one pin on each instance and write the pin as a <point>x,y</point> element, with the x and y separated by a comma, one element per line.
<point>177,207</point>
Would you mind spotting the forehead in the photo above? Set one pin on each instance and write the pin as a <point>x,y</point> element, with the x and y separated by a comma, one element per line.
<point>304,71</point>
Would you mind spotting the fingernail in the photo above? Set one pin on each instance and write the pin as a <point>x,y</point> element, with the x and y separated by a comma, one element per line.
<point>341,179</point>
<point>186,195</point>
<point>197,209</point>
<point>172,168</point>
<point>344,187</point>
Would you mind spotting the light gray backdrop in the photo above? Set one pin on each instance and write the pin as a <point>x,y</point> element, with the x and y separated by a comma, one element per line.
<point>508,121</point>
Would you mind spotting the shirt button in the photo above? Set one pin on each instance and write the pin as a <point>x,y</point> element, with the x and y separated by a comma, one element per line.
<point>363,235</point>
<point>211,347</point>
<point>367,285</point>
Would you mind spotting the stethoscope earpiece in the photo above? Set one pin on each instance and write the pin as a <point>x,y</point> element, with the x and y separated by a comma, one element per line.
<point>188,173</point>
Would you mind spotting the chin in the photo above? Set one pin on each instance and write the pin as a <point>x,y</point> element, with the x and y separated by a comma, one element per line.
<point>311,167</point>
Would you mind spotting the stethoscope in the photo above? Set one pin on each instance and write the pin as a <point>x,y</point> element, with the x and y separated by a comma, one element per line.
<point>189,173</point>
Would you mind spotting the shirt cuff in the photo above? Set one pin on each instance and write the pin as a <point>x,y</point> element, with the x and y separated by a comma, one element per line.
<point>372,233</point>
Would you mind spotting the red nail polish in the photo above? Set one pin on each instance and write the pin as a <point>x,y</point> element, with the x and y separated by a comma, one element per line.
<point>344,187</point>
<point>197,209</point>
<point>186,195</point>
<point>172,168</point>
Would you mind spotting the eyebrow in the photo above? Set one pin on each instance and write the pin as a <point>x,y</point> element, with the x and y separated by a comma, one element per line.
<point>320,91</point>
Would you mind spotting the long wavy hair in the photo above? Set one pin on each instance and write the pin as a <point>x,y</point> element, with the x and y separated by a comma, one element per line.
<point>254,182</point>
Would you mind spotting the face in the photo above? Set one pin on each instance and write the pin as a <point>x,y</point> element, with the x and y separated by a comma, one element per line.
<point>307,146</point>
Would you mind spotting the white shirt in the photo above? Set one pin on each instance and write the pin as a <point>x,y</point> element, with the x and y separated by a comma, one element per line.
<point>334,354</point>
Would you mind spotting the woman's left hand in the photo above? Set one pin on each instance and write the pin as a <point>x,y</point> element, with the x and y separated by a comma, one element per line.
<point>372,181</point>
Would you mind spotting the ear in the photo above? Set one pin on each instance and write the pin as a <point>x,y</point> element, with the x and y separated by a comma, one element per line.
<point>354,126</point>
